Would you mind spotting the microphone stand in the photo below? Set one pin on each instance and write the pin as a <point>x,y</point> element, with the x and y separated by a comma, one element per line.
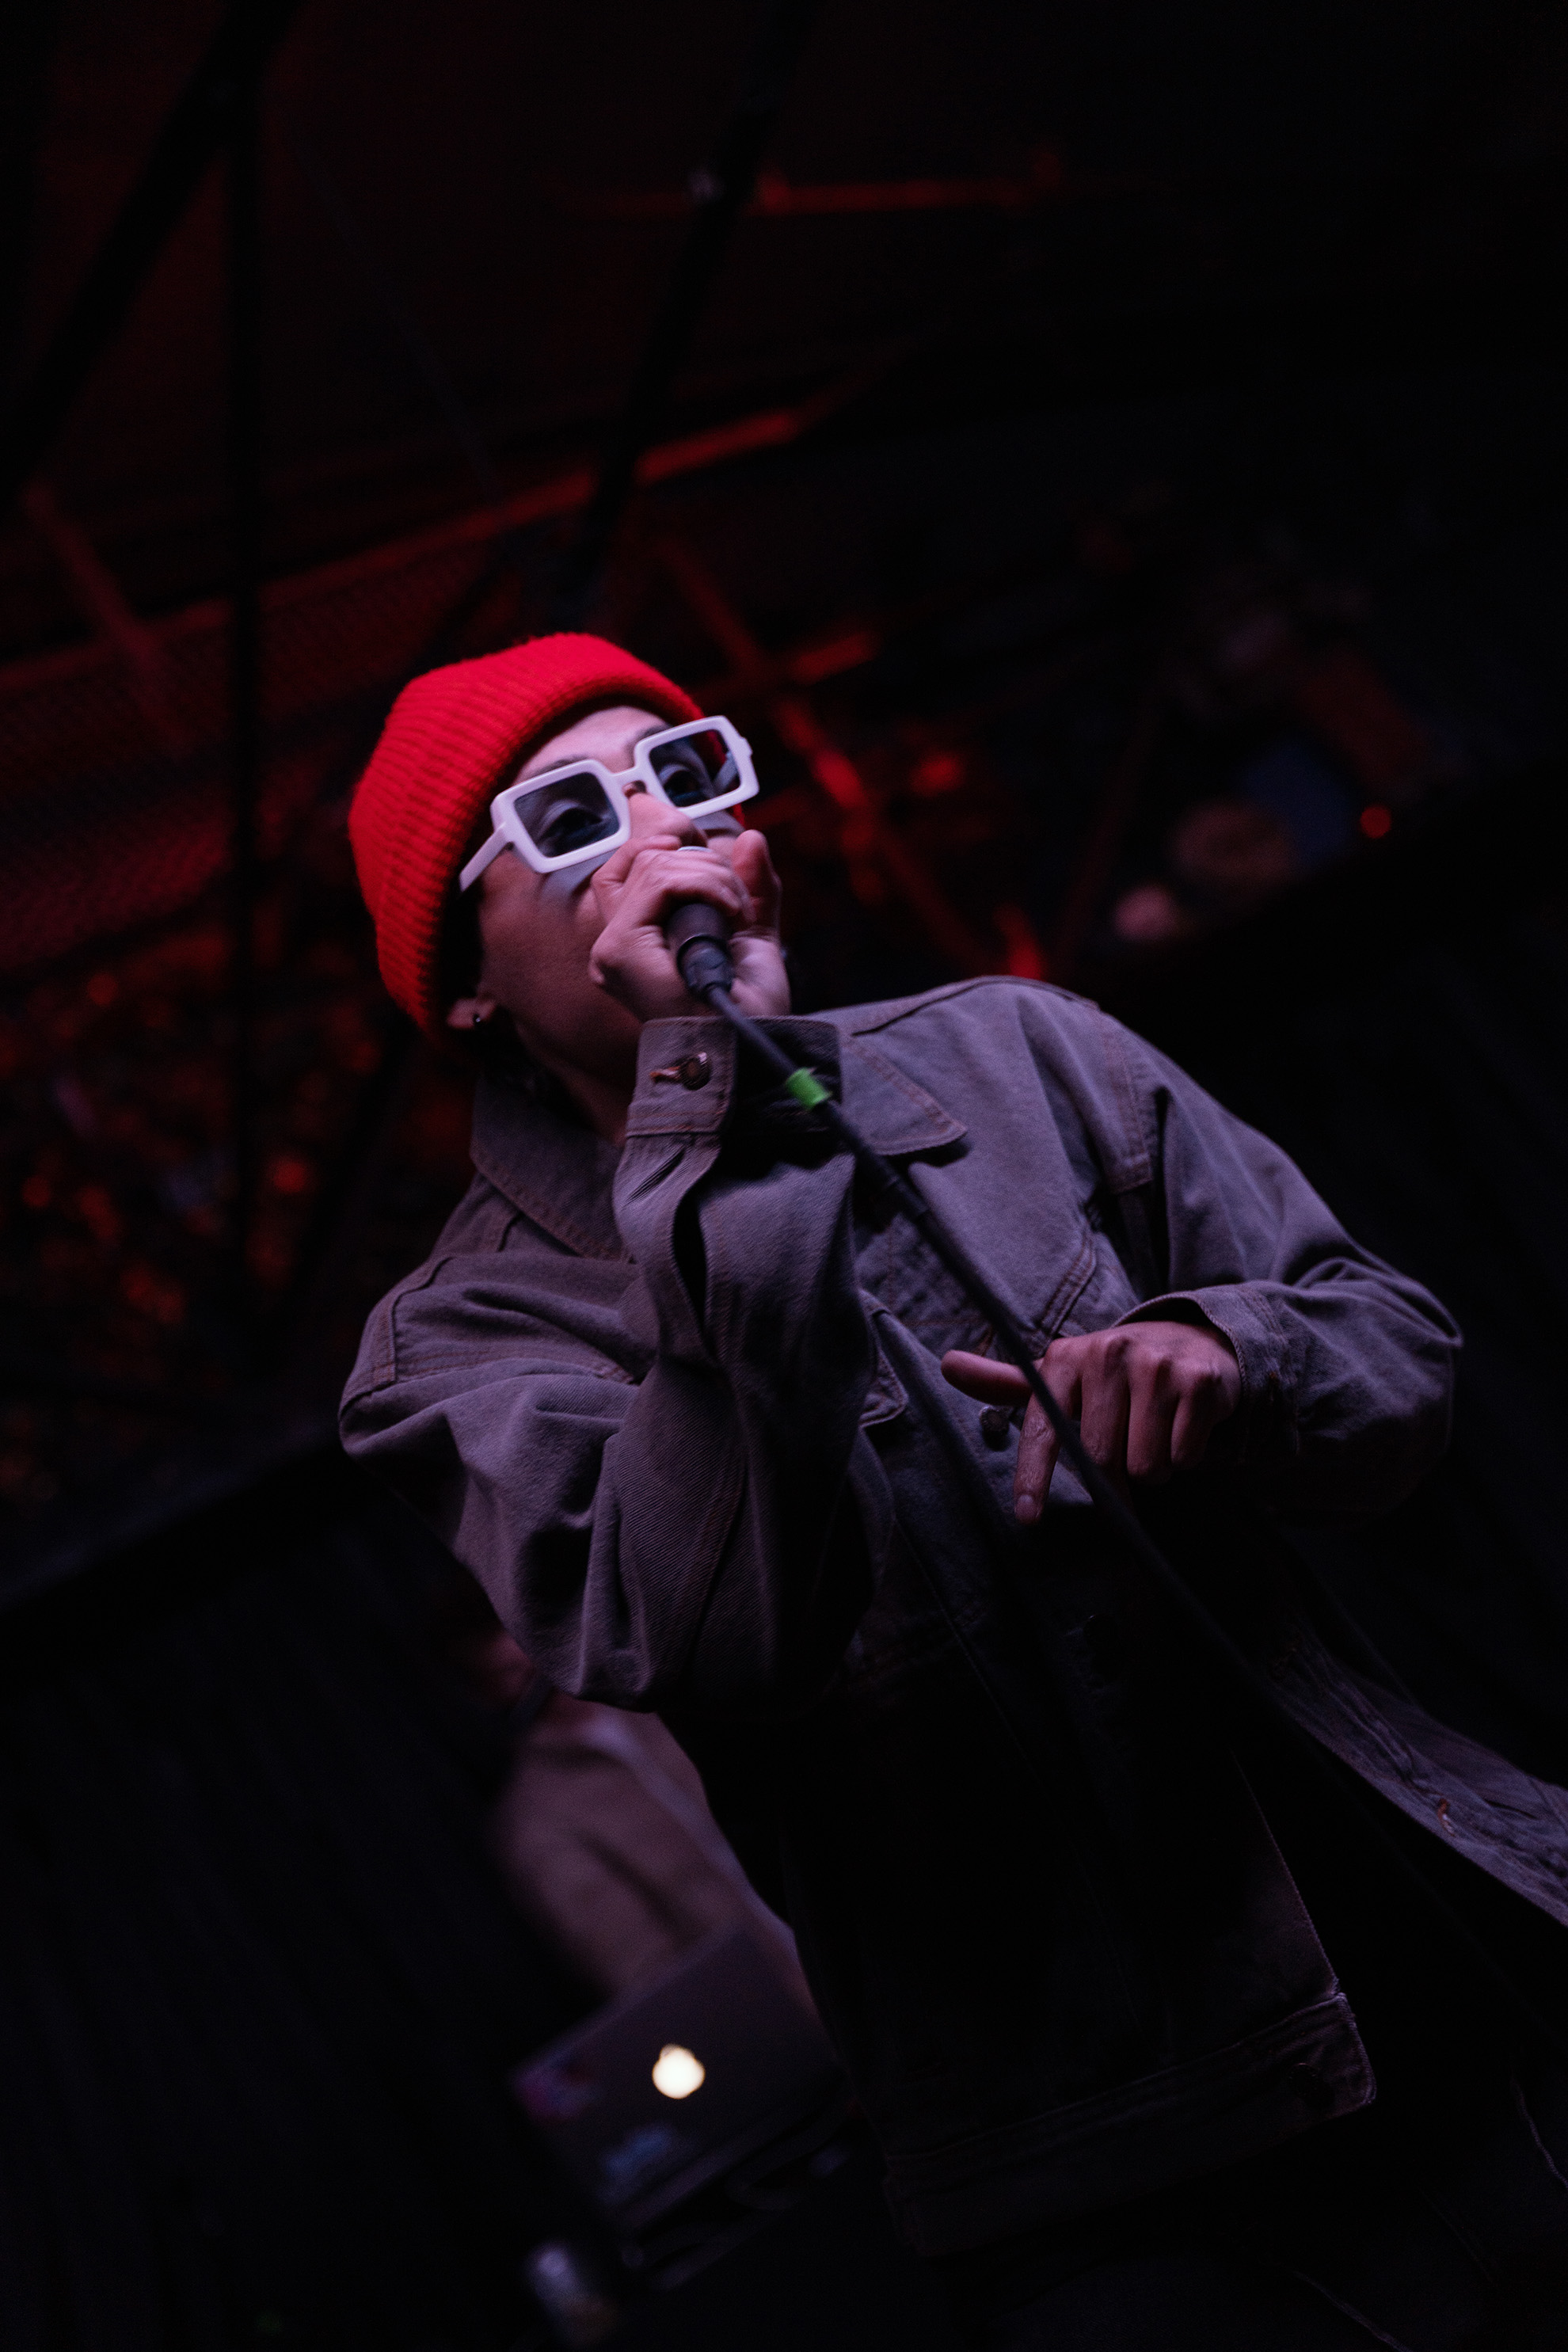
<point>700,941</point>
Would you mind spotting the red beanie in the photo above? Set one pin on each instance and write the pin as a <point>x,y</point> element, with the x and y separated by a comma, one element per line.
<point>452,740</point>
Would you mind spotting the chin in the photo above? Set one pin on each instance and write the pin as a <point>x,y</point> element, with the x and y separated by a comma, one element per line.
<point>603,1046</point>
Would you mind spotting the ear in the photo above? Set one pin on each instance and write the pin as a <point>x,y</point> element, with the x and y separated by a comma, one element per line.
<point>468,1014</point>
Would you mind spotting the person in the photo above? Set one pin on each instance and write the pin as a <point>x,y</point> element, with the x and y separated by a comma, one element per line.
<point>725,1443</point>
<point>601,1830</point>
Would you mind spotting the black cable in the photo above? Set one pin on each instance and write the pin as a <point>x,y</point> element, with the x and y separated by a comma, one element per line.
<point>720,193</point>
<point>701,959</point>
<point>192,134</point>
<point>245,457</point>
<point>417,347</point>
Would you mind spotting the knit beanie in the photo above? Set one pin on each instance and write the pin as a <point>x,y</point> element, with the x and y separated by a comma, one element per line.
<point>453,739</point>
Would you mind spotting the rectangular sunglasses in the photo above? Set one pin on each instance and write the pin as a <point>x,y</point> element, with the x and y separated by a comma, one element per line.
<point>572,813</point>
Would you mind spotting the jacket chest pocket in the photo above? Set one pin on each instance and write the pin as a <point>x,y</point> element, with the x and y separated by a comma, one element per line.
<point>1108,1292</point>
<point>903,1275</point>
<point>887,1397</point>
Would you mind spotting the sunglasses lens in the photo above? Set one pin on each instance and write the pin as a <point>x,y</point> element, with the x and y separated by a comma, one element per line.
<point>567,813</point>
<point>696,768</point>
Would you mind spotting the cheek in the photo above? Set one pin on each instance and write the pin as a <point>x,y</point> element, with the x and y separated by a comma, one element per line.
<point>570,919</point>
<point>537,940</point>
<point>587,916</point>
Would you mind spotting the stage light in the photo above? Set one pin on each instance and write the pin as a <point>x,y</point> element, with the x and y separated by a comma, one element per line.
<point>1376,820</point>
<point>678,2073</point>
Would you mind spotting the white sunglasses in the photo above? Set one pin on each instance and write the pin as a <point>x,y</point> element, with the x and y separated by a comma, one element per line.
<point>572,813</point>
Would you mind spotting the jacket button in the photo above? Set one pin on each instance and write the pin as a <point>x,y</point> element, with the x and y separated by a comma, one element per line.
<point>994,1426</point>
<point>695,1071</point>
<point>1311,2088</point>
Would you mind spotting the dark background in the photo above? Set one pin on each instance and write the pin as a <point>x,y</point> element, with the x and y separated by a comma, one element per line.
<point>1118,481</point>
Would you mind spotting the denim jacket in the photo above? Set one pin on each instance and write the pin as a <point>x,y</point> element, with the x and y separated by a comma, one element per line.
<point>678,1408</point>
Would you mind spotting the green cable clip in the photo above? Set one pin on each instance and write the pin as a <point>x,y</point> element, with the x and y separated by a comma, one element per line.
<point>807,1089</point>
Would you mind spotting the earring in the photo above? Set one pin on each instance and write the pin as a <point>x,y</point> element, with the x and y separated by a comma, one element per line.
<point>480,1020</point>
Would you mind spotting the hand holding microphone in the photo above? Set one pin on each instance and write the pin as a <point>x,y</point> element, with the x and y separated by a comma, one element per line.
<point>677,914</point>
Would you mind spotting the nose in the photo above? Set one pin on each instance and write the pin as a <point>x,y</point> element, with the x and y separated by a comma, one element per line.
<point>649,816</point>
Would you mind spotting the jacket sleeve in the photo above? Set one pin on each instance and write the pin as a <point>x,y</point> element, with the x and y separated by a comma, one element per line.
<point>704,1533</point>
<point>1347,1366</point>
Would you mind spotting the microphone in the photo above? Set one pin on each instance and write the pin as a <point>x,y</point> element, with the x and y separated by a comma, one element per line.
<point>698,936</point>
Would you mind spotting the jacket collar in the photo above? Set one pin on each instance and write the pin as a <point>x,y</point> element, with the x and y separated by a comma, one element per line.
<point>559,1173</point>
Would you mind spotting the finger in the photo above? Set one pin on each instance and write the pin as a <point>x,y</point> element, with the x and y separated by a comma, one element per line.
<point>982,1377</point>
<point>609,881</point>
<point>1036,1465</point>
<point>1103,1412</point>
<point>1152,1401</point>
<point>751,860</point>
<point>762,982</point>
<point>1059,1367</point>
<point>1199,1411</point>
<point>674,865</point>
<point>660,876</point>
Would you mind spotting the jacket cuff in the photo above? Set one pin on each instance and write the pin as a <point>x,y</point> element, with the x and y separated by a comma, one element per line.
<point>1265,1421</point>
<point>686,1080</point>
<point>686,1093</point>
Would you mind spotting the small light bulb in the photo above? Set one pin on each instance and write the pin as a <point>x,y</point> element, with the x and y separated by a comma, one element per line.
<point>678,2073</point>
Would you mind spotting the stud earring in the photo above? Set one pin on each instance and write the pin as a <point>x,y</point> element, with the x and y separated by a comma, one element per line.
<point>480,1020</point>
